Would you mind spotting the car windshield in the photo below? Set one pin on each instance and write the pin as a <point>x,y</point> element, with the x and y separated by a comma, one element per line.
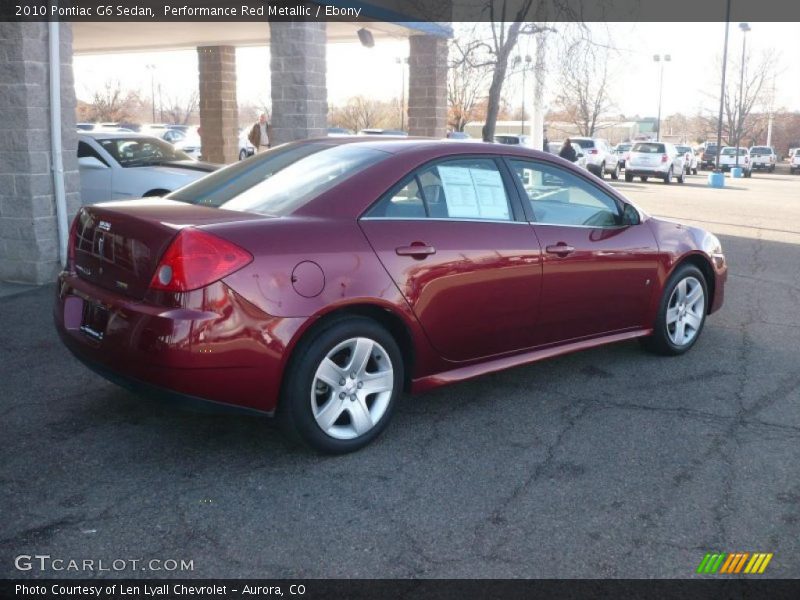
<point>648,148</point>
<point>281,180</point>
<point>141,151</point>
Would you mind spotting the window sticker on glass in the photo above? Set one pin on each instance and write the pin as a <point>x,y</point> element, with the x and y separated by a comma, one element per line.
<point>474,193</point>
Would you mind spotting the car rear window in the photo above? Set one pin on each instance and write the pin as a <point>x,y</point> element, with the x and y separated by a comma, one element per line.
<point>761,150</point>
<point>732,151</point>
<point>584,143</point>
<point>304,179</point>
<point>648,148</point>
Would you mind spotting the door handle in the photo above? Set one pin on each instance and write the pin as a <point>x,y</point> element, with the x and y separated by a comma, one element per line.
<point>560,249</point>
<point>418,250</point>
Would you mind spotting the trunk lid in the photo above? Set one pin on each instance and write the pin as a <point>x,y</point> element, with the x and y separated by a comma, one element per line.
<point>118,244</point>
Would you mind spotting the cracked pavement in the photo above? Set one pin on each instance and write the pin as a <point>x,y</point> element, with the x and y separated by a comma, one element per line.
<point>606,463</point>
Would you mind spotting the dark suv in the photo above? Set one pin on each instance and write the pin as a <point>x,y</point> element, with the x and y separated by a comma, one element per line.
<point>709,158</point>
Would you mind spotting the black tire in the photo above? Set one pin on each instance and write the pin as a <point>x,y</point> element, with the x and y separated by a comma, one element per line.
<point>772,168</point>
<point>659,341</point>
<point>694,171</point>
<point>643,178</point>
<point>295,412</point>
<point>682,178</point>
<point>628,177</point>
<point>601,173</point>
<point>668,177</point>
<point>615,173</point>
<point>242,154</point>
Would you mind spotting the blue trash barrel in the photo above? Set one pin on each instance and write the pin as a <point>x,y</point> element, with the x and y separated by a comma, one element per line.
<point>716,180</point>
<point>736,172</point>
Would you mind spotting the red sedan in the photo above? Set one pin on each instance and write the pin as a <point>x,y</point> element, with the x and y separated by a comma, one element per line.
<point>318,280</point>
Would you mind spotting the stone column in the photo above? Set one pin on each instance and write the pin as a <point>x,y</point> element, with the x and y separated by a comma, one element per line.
<point>219,118</point>
<point>299,89</point>
<point>427,86</point>
<point>28,228</point>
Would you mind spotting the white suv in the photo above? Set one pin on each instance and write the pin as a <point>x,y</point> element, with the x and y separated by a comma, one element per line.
<point>600,158</point>
<point>655,159</point>
<point>763,157</point>
<point>794,162</point>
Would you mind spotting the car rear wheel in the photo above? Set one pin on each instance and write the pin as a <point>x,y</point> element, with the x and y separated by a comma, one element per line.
<point>643,178</point>
<point>682,177</point>
<point>242,154</point>
<point>681,313</point>
<point>615,172</point>
<point>628,177</point>
<point>342,386</point>
<point>668,176</point>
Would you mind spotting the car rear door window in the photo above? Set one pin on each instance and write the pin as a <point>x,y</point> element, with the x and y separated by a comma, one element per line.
<point>558,197</point>
<point>456,189</point>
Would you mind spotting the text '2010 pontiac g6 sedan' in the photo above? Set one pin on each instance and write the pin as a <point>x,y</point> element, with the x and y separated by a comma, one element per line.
<point>318,280</point>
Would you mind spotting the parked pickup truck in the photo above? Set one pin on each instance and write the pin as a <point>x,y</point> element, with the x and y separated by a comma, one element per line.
<point>794,161</point>
<point>728,160</point>
<point>709,158</point>
<point>763,157</point>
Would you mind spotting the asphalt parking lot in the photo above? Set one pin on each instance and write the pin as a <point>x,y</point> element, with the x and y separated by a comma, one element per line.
<point>607,463</point>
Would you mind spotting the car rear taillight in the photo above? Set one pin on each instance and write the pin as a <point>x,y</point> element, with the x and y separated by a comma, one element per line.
<point>592,150</point>
<point>664,158</point>
<point>196,259</point>
<point>72,241</point>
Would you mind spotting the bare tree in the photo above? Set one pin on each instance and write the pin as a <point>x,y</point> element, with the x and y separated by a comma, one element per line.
<point>364,113</point>
<point>112,103</point>
<point>583,85</point>
<point>179,109</point>
<point>467,78</point>
<point>739,103</point>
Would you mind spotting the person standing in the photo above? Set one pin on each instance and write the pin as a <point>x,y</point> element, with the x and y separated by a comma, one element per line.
<point>259,134</point>
<point>568,152</point>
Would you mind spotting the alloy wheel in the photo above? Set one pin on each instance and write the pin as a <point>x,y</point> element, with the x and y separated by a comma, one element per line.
<point>352,388</point>
<point>685,311</point>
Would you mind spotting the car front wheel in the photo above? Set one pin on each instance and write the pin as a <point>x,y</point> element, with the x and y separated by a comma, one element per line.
<point>681,313</point>
<point>342,386</point>
<point>615,172</point>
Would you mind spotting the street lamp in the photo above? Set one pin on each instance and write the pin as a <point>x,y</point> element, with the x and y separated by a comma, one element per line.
<point>739,121</point>
<point>722,85</point>
<point>402,62</point>
<point>517,61</point>
<point>658,58</point>
<point>152,69</point>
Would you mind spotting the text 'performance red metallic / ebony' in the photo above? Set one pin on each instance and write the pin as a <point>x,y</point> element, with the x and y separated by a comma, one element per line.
<point>319,280</point>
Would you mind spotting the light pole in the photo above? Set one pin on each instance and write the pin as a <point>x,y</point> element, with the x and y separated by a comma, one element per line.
<point>402,62</point>
<point>152,69</point>
<point>658,58</point>
<point>722,85</point>
<point>739,120</point>
<point>517,61</point>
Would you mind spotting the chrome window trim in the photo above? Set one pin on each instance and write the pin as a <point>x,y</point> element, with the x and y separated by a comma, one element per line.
<point>451,219</point>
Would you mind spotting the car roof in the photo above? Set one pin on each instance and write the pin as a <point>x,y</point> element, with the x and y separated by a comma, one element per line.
<point>116,134</point>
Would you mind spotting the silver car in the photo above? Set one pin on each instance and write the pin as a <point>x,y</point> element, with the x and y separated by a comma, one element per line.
<point>600,158</point>
<point>655,159</point>
<point>130,165</point>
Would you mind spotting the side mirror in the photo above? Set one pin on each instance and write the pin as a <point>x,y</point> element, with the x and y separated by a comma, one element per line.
<point>91,162</point>
<point>630,216</point>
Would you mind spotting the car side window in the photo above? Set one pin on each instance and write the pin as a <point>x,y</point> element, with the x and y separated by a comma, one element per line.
<point>470,189</point>
<point>558,197</point>
<point>85,150</point>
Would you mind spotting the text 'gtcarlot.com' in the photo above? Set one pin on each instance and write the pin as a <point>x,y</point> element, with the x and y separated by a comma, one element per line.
<point>45,562</point>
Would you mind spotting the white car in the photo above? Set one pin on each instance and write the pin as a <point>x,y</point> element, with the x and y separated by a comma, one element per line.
<point>513,139</point>
<point>116,166</point>
<point>794,161</point>
<point>728,160</point>
<point>600,158</point>
<point>690,159</point>
<point>190,143</point>
<point>763,157</point>
<point>622,151</point>
<point>655,159</point>
<point>245,147</point>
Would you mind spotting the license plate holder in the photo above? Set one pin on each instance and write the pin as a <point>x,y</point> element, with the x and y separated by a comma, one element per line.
<point>95,320</point>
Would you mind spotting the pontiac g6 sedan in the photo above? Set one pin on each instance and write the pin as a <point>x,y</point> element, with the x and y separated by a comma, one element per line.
<point>319,280</point>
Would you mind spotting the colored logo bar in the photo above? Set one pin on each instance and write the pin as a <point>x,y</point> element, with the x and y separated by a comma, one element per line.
<point>735,562</point>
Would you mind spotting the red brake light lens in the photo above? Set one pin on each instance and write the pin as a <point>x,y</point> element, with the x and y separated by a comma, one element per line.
<point>196,259</point>
<point>72,241</point>
<point>593,151</point>
<point>664,158</point>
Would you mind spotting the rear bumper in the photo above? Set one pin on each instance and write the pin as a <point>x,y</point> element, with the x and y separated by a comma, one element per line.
<point>645,171</point>
<point>216,347</point>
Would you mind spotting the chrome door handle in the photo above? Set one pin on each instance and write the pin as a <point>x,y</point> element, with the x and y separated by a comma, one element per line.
<point>560,250</point>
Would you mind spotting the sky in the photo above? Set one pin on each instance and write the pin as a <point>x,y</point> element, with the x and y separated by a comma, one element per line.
<point>691,82</point>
